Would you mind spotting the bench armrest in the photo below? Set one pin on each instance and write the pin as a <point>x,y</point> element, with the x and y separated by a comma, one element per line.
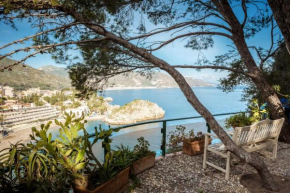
<point>211,135</point>
<point>230,133</point>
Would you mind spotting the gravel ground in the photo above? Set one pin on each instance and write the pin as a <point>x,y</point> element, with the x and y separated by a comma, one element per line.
<point>183,173</point>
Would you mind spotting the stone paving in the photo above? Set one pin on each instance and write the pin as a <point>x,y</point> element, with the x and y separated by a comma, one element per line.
<point>182,173</point>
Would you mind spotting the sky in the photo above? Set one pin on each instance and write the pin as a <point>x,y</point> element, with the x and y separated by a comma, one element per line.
<point>174,53</point>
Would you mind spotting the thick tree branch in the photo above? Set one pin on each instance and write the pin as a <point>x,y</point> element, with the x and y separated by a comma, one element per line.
<point>244,7</point>
<point>190,34</point>
<point>216,68</point>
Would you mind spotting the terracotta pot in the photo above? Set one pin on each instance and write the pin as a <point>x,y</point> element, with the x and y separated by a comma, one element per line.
<point>142,164</point>
<point>195,147</point>
<point>117,184</point>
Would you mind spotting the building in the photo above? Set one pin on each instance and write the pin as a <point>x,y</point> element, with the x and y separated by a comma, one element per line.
<point>48,93</point>
<point>16,118</point>
<point>31,91</point>
<point>7,91</point>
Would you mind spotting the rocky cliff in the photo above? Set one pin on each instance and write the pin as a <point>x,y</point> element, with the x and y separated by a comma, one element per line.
<point>135,111</point>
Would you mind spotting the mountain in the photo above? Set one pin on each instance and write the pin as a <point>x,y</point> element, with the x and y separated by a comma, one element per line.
<point>52,77</point>
<point>158,80</point>
<point>27,77</point>
<point>58,71</point>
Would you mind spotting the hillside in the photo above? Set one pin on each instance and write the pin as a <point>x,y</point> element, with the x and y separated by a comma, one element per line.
<point>27,77</point>
<point>55,70</point>
<point>52,77</point>
<point>158,80</point>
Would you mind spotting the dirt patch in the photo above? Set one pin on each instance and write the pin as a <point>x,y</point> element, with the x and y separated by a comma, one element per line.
<point>254,184</point>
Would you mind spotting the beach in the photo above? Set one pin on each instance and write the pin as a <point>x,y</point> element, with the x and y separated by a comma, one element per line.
<point>23,135</point>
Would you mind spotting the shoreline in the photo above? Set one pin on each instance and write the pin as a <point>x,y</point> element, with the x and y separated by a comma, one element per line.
<point>23,135</point>
<point>150,87</point>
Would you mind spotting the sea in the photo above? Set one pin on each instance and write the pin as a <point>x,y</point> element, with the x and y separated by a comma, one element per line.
<point>175,105</point>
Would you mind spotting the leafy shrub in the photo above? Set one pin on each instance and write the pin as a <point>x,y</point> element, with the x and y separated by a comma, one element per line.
<point>142,148</point>
<point>179,135</point>
<point>238,120</point>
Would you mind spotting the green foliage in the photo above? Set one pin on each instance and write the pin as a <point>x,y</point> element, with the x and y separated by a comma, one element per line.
<point>24,78</point>
<point>256,113</point>
<point>238,120</point>
<point>179,135</point>
<point>31,168</point>
<point>142,148</point>
<point>119,159</point>
<point>242,120</point>
<point>57,99</point>
<point>97,104</point>
<point>33,98</point>
<point>276,73</point>
<point>44,165</point>
<point>2,101</point>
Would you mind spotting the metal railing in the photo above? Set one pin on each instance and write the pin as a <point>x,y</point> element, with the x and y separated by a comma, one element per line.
<point>164,127</point>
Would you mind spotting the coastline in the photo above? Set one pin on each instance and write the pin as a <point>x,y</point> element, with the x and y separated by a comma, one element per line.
<point>23,135</point>
<point>149,87</point>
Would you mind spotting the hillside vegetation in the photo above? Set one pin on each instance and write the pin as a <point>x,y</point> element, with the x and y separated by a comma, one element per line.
<point>52,77</point>
<point>158,80</point>
<point>27,77</point>
<point>135,111</point>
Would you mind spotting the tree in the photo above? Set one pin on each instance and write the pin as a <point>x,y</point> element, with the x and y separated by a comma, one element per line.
<point>276,74</point>
<point>281,12</point>
<point>101,30</point>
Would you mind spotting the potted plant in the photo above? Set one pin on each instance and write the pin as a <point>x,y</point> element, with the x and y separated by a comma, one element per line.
<point>110,177</point>
<point>45,165</point>
<point>143,157</point>
<point>238,120</point>
<point>191,144</point>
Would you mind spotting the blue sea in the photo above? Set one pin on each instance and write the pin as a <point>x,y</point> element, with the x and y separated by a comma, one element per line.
<point>175,105</point>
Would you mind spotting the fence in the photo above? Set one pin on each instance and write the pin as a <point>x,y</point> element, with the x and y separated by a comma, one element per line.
<point>163,128</point>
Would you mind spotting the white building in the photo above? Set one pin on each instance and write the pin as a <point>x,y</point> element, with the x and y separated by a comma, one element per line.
<point>7,91</point>
<point>31,91</point>
<point>14,118</point>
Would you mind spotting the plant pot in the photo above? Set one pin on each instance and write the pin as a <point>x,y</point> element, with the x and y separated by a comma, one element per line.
<point>195,147</point>
<point>142,164</point>
<point>117,184</point>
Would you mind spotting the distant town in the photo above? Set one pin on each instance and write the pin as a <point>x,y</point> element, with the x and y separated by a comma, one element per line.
<point>24,109</point>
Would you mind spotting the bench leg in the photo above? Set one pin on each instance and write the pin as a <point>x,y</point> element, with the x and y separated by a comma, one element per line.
<point>205,152</point>
<point>275,149</point>
<point>228,165</point>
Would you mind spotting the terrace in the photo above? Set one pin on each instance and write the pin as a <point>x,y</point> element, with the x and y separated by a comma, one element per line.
<point>182,173</point>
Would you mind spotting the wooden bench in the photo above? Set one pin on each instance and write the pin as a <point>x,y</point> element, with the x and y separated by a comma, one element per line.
<point>252,138</point>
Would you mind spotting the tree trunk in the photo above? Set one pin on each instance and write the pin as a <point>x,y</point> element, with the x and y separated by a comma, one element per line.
<point>254,161</point>
<point>268,93</point>
<point>281,12</point>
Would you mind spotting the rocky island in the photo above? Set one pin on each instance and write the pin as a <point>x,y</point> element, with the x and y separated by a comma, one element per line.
<point>135,111</point>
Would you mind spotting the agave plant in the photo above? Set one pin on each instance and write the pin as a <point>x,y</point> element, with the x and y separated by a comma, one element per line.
<point>71,147</point>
